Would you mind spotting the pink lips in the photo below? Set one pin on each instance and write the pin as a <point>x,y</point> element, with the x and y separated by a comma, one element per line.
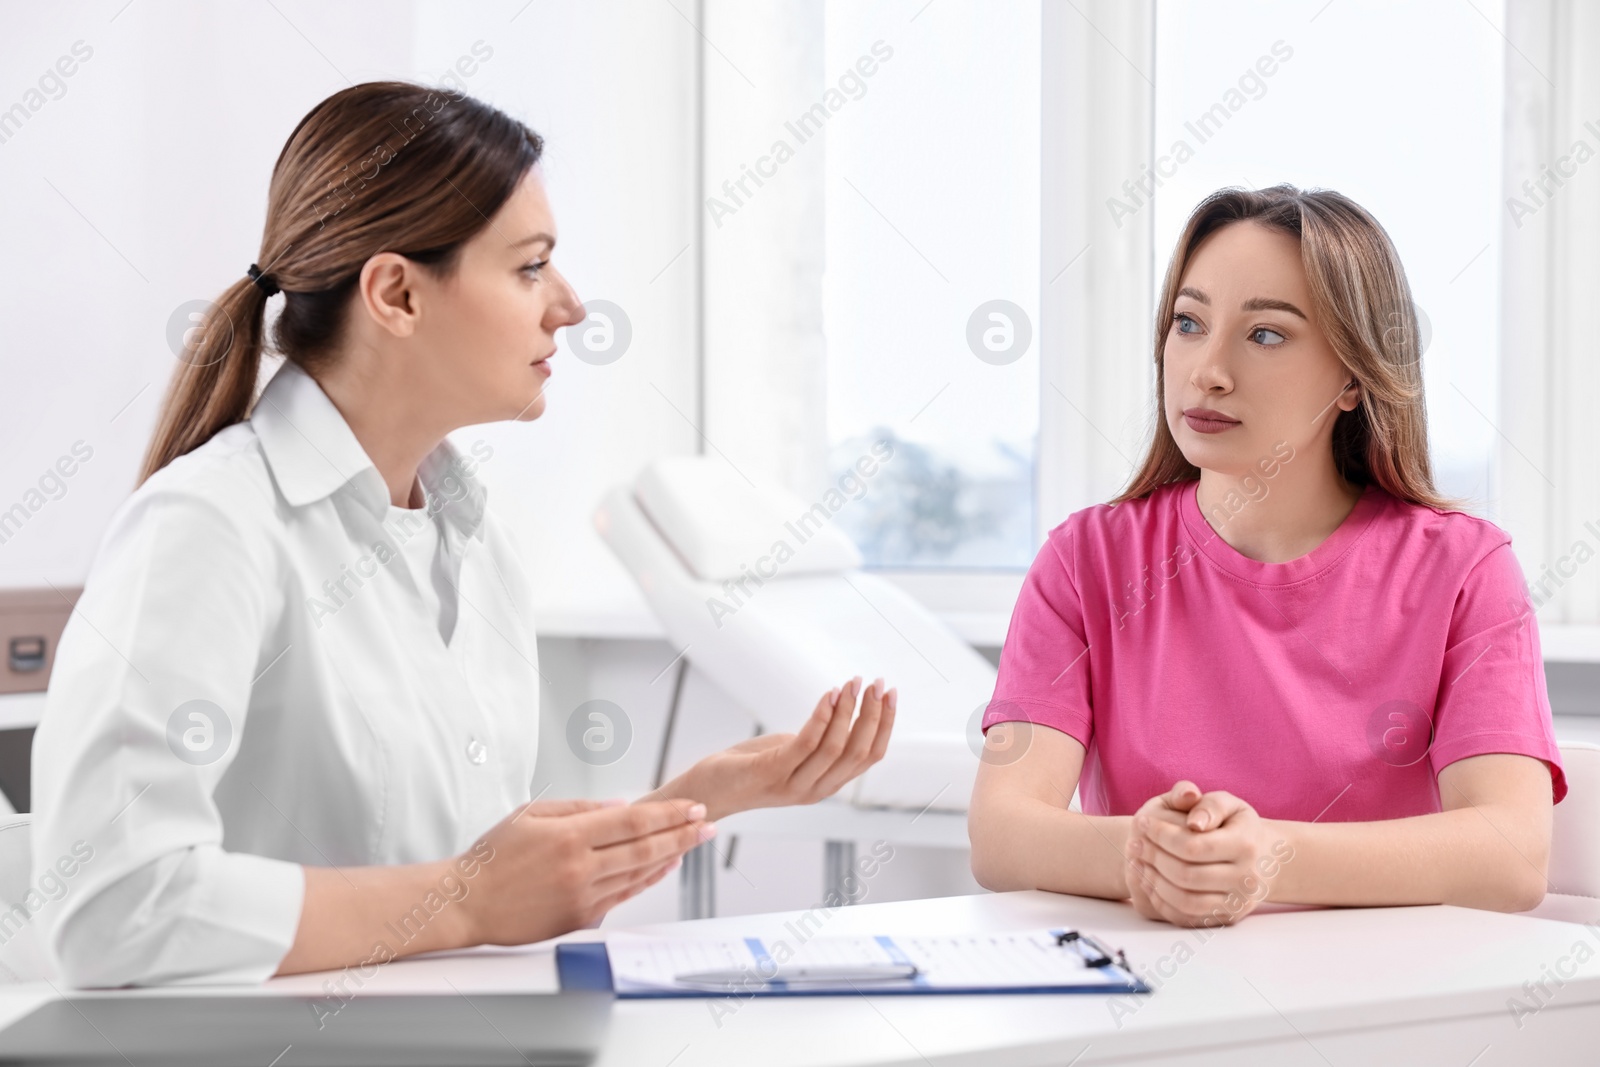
<point>1204,420</point>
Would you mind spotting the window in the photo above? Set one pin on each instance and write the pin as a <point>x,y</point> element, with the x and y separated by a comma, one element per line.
<point>931,280</point>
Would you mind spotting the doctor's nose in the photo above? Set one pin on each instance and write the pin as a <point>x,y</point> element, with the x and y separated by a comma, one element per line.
<point>569,309</point>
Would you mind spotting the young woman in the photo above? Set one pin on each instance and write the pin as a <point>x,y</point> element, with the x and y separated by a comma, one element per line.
<point>293,723</point>
<point>1285,668</point>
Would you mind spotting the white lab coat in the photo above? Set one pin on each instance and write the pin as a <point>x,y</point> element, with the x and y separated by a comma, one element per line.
<point>255,575</point>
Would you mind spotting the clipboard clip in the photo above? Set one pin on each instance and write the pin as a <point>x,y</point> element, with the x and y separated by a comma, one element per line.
<point>1093,952</point>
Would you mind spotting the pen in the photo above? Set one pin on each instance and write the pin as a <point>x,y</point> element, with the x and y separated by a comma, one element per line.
<point>867,973</point>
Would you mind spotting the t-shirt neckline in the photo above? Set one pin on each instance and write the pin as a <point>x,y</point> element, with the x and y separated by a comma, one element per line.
<point>1332,549</point>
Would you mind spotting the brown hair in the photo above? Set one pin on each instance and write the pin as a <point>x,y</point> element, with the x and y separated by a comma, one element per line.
<point>377,167</point>
<point>1362,301</point>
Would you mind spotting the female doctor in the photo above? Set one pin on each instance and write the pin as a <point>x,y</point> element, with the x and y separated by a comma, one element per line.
<point>292,724</point>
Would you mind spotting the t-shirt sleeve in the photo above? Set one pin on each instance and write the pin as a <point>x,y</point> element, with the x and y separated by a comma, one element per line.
<point>1492,691</point>
<point>1044,664</point>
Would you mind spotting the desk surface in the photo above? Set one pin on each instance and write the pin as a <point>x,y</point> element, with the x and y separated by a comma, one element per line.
<point>1285,986</point>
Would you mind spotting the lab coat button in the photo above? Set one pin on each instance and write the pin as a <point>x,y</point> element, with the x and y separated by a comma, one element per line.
<point>477,751</point>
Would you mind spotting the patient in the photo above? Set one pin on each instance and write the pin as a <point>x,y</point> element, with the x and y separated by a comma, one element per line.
<point>1279,666</point>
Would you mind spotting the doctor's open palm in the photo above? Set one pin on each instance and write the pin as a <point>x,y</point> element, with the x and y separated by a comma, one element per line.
<point>775,770</point>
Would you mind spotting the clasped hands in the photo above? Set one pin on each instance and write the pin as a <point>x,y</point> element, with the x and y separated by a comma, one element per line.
<point>1201,859</point>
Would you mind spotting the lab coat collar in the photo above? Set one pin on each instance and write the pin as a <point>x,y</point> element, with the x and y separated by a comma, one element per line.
<point>445,477</point>
<point>313,453</point>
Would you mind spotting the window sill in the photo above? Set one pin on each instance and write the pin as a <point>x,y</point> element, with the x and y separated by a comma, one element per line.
<point>1562,643</point>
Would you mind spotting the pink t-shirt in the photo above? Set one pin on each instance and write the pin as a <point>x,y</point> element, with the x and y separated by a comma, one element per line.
<point>1335,686</point>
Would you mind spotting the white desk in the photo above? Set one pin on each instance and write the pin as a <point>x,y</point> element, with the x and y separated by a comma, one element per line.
<point>1285,987</point>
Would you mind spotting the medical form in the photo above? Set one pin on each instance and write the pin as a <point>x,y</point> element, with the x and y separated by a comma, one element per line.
<point>1020,961</point>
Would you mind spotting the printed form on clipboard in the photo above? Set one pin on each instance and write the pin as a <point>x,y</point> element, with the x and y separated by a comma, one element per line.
<point>1018,961</point>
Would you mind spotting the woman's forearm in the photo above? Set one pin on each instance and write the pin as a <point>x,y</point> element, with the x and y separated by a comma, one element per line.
<point>362,916</point>
<point>685,788</point>
<point>1471,857</point>
<point>1024,843</point>
<point>1475,857</point>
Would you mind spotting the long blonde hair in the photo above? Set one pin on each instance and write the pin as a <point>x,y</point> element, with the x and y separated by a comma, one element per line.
<point>1361,299</point>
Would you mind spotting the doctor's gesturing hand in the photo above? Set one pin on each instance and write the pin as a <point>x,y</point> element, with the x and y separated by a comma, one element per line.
<point>774,770</point>
<point>548,867</point>
<point>552,866</point>
<point>557,865</point>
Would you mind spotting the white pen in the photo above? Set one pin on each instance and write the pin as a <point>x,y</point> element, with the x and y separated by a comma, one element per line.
<point>862,973</point>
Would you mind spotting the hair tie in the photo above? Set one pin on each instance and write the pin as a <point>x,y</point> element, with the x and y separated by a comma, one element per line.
<point>266,283</point>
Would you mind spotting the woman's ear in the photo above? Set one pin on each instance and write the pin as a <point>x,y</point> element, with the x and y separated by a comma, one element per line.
<point>1348,395</point>
<point>386,289</point>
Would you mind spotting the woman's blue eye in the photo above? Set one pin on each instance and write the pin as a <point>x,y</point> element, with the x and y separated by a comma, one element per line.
<point>1258,331</point>
<point>532,269</point>
<point>1180,318</point>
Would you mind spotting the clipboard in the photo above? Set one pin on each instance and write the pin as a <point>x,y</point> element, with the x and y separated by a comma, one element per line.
<point>1003,962</point>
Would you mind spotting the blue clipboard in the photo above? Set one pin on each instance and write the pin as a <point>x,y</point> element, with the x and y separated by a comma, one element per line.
<point>585,965</point>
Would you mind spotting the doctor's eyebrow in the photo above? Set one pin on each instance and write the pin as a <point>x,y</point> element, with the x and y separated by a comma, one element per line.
<point>1255,303</point>
<point>535,239</point>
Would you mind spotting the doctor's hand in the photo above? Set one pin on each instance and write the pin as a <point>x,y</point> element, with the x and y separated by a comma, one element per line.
<point>1200,859</point>
<point>554,866</point>
<point>774,770</point>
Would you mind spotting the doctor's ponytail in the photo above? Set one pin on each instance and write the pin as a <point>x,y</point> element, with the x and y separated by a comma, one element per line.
<point>215,379</point>
<point>378,167</point>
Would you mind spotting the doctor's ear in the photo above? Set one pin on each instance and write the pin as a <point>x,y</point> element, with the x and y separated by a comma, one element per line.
<point>387,290</point>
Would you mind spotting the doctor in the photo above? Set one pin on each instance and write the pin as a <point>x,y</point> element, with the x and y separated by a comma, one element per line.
<point>292,724</point>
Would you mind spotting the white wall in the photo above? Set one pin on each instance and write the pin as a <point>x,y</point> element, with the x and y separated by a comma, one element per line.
<point>142,187</point>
